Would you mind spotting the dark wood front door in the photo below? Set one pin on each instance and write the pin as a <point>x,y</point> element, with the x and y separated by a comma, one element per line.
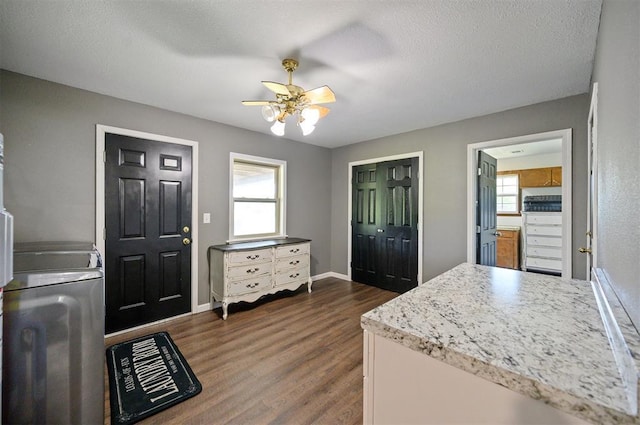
<point>384,235</point>
<point>148,231</point>
<point>486,217</point>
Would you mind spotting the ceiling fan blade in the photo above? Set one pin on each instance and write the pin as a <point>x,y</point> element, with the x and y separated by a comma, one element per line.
<point>256,102</point>
<point>277,88</point>
<point>321,109</point>
<point>320,95</point>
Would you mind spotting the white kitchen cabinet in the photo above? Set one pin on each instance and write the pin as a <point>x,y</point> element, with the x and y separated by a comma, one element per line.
<point>249,270</point>
<point>542,241</point>
<point>403,386</point>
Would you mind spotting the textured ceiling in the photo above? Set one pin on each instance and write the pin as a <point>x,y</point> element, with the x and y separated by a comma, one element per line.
<point>395,65</point>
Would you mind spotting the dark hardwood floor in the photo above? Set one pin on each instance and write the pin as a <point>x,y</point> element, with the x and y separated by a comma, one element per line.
<point>292,358</point>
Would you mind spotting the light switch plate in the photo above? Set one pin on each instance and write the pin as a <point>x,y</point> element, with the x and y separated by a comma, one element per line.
<point>206,218</point>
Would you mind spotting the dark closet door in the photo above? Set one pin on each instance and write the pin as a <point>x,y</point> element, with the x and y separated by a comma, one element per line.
<point>385,224</point>
<point>486,217</point>
<point>364,225</point>
<point>148,219</point>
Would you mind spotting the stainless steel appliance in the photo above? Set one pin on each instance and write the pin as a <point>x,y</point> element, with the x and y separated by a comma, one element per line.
<point>54,335</point>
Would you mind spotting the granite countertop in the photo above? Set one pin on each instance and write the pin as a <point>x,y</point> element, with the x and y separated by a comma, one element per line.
<point>535,334</point>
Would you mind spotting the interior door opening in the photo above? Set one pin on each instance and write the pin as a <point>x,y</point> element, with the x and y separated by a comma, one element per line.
<point>530,158</point>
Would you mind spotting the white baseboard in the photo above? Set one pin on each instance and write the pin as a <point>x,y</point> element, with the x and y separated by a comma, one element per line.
<point>202,308</point>
<point>330,274</point>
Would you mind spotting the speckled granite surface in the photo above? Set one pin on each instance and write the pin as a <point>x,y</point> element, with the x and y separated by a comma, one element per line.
<point>535,334</point>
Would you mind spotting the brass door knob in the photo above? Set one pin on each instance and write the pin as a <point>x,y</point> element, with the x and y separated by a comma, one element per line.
<point>584,250</point>
<point>186,241</point>
<point>185,229</point>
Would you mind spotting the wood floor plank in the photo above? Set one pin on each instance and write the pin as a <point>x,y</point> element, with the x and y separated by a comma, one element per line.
<point>293,358</point>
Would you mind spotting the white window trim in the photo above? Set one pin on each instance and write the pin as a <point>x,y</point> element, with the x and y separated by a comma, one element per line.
<point>282,193</point>
<point>517,195</point>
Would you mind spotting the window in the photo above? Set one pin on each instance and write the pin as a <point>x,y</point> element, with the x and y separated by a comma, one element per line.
<point>257,197</point>
<point>507,194</point>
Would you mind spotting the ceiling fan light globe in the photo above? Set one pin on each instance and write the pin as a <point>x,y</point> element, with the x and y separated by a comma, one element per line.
<point>310,115</point>
<point>270,112</point>
<point>278,128</point>
<point>306,128</point>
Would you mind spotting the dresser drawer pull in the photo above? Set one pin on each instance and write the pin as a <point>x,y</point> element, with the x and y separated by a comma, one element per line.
<point>253,257</point>
<point>294,251</point>
<point>293,263</point>
<point>293,276</point>
<point>252,271</point>
<point>252,285</point>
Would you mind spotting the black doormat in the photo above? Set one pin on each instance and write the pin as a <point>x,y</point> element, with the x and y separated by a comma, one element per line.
<point>147,375</point>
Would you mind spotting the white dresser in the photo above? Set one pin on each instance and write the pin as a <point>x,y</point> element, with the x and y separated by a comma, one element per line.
<point>246,271</point>
<point>542,241</point>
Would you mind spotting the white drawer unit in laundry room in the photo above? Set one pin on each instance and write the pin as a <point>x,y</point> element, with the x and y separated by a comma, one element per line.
<point>246,271</point>
<point>543,241</point>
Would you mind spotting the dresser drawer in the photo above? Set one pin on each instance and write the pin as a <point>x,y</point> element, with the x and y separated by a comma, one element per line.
<point>544,230</point>
<point>544,263</point>
<point>248,270</point>
<point>543,241</point>
<point>243,286</point>
<point>544,218</point>
<point>537,251</point>
<point>292,262</point>
<point>300,274</point>
<point>247,257</point>
<point>290,250</point>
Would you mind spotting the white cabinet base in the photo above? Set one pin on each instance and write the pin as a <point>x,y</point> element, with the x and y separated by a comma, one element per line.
<point>403,386</point>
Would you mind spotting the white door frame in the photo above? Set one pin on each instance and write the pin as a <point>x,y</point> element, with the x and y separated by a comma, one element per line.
<point>101,130</point>
<point>472,166</point>
<point>420,156</point>
<point>592,184</point>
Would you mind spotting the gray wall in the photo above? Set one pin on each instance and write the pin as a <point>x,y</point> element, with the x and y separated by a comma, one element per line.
<point>617,72</point>
<point>49,180</point>
<point>445,174</point>
<point>50,146</point>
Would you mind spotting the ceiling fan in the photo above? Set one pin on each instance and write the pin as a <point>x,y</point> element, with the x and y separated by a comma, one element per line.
<point>292,100</point>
